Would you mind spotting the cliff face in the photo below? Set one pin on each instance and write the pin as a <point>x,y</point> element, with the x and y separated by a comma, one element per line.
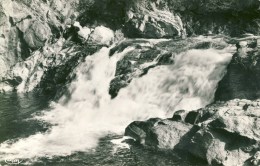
<point>233,17</point>
<point>27,25</point>
<point>160,18</point>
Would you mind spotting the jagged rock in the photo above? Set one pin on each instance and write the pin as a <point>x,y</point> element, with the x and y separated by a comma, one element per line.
<point>146,20</point>
<point>47,70</point>
<point>230,136</point>
<point>164,134</point>
<point>28,24</point>
<point>37,35</point>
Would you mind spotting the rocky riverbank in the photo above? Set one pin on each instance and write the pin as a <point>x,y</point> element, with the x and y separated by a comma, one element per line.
<point>224,133</point>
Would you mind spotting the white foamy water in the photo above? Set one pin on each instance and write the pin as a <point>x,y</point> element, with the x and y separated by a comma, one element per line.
<point>90,114</point>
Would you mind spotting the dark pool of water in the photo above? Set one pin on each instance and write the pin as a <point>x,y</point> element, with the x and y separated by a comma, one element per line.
<point>16,109</point>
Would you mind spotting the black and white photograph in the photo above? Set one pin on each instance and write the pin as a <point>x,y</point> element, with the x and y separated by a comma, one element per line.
<point>129,82</point>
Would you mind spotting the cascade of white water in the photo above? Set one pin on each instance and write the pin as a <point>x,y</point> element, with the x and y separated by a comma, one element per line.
<point>90,114</point>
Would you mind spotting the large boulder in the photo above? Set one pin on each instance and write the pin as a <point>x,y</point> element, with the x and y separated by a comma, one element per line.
<point>226,133</point>
<point>102,35</point>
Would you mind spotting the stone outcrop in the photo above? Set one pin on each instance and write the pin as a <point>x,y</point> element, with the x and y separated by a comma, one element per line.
<point>224,133</point>
<point>242,78</point>
<point>47,71</point>
<point>27,25</point>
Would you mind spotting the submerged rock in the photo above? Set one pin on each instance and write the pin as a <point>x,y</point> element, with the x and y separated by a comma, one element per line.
<point>228,136</point>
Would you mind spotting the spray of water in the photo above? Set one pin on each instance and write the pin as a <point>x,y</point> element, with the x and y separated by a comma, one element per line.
<point>90,114</point>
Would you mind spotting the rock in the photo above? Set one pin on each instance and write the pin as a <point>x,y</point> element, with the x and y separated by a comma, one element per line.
<point>164,134</point>
<point>47,70</point>
<point>146,20</point>
<point>139,130</point>
<point>256,159</point>
<point>168,134</point>
<point>102,35</point>
<point>229,135</point>
<point>26,25</point>
<point>242,77</point>
<point>192,117</point>
<point>179,115</point>
<point>243,125</point>
<point>37,35</point>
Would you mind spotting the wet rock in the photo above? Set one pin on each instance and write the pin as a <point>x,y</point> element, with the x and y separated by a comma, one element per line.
<point>179,115</point>
<point>138,130</point>
<point>192,117</point>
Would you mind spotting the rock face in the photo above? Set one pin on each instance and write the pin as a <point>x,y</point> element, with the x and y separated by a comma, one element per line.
<point>144,19</point>
<point>242,79</point>
<point>48,70</point>
<point>37,34</point>
<point>28,25</point>
<point>161,18</point>
<point>224,133</point>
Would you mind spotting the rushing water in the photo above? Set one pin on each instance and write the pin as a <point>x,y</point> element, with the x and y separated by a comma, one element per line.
<point>82,130</point>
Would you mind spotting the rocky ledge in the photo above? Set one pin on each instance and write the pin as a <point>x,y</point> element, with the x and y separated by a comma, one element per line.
<point>224,133</point>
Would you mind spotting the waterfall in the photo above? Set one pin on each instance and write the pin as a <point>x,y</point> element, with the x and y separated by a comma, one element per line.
<point>90,114</point>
